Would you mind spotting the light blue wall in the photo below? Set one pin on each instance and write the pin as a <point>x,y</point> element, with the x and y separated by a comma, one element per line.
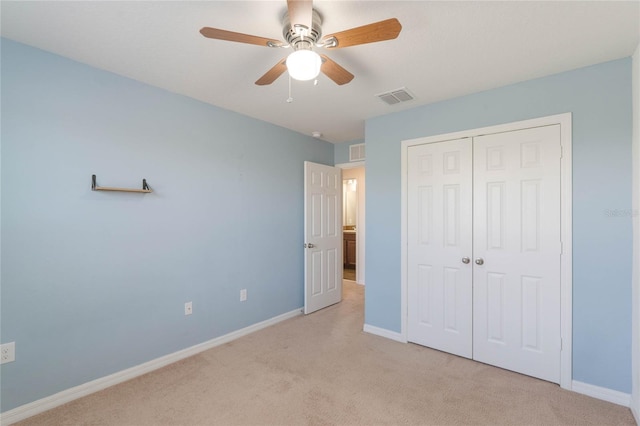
<point>95,282</point>
<point>600,99</point>
<point>341,151</point>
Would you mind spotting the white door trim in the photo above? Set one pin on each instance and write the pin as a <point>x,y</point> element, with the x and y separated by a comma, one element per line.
<point>566,272</point>
<point>352,165</point>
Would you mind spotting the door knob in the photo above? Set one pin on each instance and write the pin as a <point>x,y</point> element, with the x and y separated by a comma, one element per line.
<point>465,260</point>
<point>310,245</point>
<point>479,261</point>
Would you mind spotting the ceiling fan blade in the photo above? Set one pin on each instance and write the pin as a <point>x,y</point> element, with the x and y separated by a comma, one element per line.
<point>300,13</point>
<point>334,71</point>
<point>378,31</point>
<point>239,37</point>
<point>271,75</point>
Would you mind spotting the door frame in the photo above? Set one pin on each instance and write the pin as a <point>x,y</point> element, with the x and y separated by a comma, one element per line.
<point>566,267</point>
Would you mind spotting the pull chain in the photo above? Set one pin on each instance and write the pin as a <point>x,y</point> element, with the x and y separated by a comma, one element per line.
<point>290,98</point>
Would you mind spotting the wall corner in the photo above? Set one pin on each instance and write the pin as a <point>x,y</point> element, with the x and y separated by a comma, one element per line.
<point>635,328</point>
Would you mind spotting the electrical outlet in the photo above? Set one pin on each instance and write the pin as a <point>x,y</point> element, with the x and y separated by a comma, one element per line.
<point>188,308</point>
<point>7,352</point>
<point>243,295</point>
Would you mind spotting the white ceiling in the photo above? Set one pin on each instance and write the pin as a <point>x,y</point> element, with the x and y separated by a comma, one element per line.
<point>446,49</point>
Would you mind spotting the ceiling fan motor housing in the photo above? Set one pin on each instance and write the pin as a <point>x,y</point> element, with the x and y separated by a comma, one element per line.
<point>301,37</point>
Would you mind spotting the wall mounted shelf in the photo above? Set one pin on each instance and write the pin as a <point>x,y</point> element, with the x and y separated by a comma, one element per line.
<point>94,187</point>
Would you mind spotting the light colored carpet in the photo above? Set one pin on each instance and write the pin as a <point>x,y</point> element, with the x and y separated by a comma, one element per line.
<point>321,369</point>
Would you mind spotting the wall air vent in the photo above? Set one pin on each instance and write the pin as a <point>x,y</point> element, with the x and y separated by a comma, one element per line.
<point>395,96</point>
<point>356,152</point>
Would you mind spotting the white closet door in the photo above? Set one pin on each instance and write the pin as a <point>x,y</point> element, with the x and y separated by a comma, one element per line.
<point>516,301</point>
<point>439,237</point>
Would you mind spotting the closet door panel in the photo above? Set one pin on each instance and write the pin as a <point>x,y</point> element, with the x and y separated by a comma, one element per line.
<point>439,236</point>
<point>516,250</point>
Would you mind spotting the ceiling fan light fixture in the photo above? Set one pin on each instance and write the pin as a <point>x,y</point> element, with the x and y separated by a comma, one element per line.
<point>304,65</point>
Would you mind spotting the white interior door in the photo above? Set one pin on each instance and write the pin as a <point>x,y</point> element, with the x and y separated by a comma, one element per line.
<point>323,236</point>
<point>517,251</point>
<point>439,243</point>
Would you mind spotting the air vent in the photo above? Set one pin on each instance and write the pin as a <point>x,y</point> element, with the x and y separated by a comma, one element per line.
<point>395,96</point>
<point>356,152</point>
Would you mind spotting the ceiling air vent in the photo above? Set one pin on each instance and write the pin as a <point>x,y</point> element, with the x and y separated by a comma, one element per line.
<point>395,96</point>
<point>356,152</point>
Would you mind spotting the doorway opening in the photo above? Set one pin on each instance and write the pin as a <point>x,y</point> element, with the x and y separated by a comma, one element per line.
<point>353,221</point>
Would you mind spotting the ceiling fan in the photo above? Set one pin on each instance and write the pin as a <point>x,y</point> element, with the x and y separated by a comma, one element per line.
<point>302,30</point>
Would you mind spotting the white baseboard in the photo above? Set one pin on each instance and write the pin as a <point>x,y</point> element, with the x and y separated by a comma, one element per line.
<point>49,402</point>
<point>604,394</point>
<point>384,333</point>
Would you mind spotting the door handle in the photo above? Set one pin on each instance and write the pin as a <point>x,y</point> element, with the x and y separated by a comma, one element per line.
<point>466,260</point>
<point>310,245</point>
<point>479,261</point>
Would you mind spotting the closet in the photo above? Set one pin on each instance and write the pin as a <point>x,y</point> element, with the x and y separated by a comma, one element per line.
<point>483,248</point>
